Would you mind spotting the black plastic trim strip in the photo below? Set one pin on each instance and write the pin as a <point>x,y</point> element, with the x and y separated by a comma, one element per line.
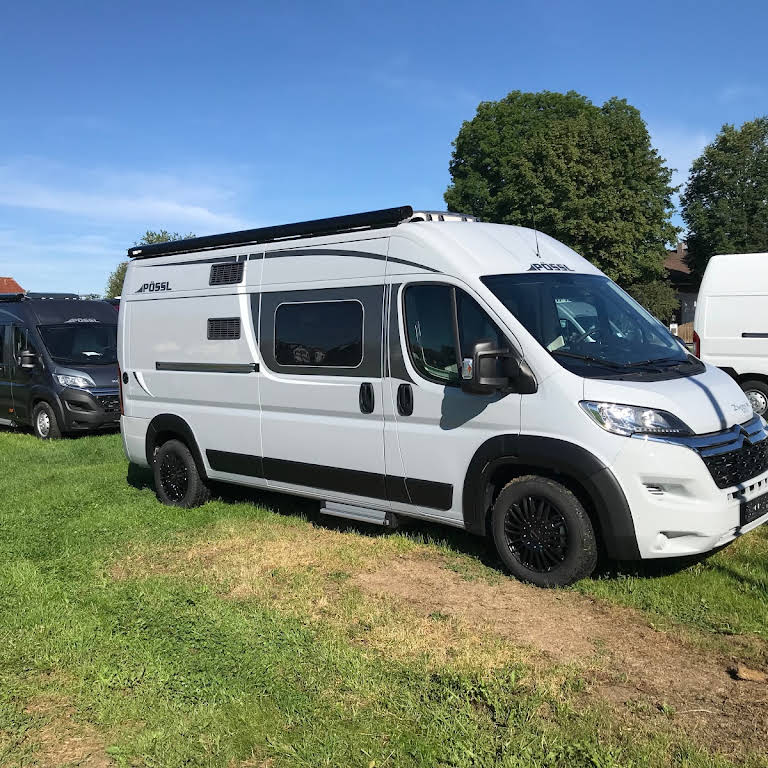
<point>214,260</point>
<point>407,490</point>
<point>754,335</point>
<point>397,369</point>
<point>209,367</point>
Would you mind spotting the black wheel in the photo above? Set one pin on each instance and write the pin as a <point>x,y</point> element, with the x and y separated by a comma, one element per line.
<point>44,422</point>
<point>542,532</point>
<point>177,481</point>
<point>757,394</point>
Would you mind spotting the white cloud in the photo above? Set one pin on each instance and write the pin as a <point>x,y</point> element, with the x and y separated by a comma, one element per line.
<point>679,146</point>
<point>738,92</point>
<point>148,199</point>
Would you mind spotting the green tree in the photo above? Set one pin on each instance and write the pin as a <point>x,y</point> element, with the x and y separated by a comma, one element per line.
<point>725,204</point>
<point>586,175</point>
<point>116,278</point>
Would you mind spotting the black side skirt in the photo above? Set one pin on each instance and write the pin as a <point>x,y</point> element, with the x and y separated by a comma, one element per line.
<point>423,493</point>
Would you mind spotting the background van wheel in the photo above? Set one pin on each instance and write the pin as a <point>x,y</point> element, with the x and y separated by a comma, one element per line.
<point>542,532</point>
<point>44,422</point>
<point>177,481</point>
<point>757,394</point>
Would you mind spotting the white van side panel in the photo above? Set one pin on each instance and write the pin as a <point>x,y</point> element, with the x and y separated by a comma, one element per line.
<point>732,313</point>
<point>221,408</point>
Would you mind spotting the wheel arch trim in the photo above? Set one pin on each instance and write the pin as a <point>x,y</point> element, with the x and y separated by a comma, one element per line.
<point>171,424</point>
<point>617,528</point>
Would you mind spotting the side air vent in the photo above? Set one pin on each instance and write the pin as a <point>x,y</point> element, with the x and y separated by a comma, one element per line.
<point>223,328</point>
<point>226,274</point>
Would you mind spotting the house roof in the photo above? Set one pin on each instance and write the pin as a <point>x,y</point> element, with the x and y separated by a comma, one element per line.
<point>679,272</point>
<point>9,285</point>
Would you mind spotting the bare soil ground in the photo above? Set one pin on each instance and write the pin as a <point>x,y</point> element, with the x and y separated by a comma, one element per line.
<point>638,664</point>
<point>61,741</point>
<point>405,600</point>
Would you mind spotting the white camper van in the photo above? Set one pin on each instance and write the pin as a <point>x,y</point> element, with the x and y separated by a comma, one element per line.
<point>398,364</point>
<point>731,322</point>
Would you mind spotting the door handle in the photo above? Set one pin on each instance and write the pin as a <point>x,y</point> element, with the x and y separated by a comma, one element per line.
<point>367,399</point>
<point>405,400</point>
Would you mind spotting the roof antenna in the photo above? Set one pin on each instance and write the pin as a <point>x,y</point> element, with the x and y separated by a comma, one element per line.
<point>535,234</point>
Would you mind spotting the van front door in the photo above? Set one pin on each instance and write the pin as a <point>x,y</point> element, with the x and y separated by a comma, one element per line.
<point>6,372</point>
<point>23,379</point>
<point>436,428</point>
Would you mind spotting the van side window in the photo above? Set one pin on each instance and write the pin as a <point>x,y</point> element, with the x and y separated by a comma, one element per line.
<point>475,325</point>
<point>319,333</point>
<point>430,328</point>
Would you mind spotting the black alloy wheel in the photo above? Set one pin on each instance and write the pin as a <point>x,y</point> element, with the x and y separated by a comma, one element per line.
<point>542,532</point>
<point>174,477</point>
<point>537,534</point>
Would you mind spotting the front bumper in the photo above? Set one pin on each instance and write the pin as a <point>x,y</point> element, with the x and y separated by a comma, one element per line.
<point>90,409</point>
<point>677,508</point>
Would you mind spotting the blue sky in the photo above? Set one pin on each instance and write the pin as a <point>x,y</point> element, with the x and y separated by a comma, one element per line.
<point>208,117</point>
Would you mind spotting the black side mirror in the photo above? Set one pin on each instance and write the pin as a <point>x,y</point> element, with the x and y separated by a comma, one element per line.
<point>491,370</point>
<point>27,359</point>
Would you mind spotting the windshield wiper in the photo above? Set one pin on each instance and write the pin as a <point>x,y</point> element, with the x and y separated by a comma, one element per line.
<point>588,358</point>
<point>657,361</point>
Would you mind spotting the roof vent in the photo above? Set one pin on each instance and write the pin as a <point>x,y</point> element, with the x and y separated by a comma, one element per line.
<point>226,274</point>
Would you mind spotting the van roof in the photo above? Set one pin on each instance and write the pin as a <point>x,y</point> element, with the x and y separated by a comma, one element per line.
<point>457,242</point>
<point>735,273</point>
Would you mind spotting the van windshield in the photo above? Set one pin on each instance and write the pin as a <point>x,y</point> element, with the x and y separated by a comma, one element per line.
<point>590,326</point>
<point>81,344</point>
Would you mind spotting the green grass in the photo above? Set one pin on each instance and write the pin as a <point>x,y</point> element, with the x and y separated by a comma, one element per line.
<point>164,670</point>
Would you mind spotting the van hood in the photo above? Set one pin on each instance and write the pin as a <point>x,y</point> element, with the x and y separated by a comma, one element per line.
<point>708,402</point>
<point>103,376</point>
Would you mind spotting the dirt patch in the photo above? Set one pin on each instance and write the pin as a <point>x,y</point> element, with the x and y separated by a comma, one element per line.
<point>628,663</point>
<point>60,740</point>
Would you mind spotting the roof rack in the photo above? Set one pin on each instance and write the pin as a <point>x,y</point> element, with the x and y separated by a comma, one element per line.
<point>386,217</point>
<point>441,216</point>
<point>42,295</point>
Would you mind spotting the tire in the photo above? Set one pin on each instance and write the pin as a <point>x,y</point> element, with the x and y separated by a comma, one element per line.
<point>757,392</point>
<point>177,480</point>
<point>542,532</point>
<point>44,422</point>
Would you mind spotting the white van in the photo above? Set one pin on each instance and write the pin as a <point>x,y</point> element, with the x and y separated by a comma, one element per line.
<point>731,322</point>
<point>427,365</point>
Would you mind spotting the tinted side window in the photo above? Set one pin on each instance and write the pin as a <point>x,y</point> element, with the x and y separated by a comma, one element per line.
<point>2,346</point>
<point>320,333</point>
<point>429,326</point>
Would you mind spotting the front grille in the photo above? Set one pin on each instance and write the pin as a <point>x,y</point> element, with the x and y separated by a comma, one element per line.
<point>736,467</point>
<point>226,274</point>
<point>109,403</point>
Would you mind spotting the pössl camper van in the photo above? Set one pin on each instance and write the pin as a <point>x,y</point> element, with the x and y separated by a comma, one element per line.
<point>419,364</point>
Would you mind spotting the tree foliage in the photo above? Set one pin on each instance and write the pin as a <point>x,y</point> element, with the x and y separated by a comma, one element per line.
<point>116,278</point>
<point>725,204</point>
<point>586,175</point>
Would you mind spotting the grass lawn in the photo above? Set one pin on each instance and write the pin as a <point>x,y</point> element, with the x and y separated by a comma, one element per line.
<point>245,633</point>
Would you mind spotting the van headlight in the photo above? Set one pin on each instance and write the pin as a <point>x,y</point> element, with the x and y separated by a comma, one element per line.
<point>632,420</point>
<point>80,382</point>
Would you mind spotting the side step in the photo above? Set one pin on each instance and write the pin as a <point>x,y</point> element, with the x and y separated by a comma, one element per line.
<point>363,514</point>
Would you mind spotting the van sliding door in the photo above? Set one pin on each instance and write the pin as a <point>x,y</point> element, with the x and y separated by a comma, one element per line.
<point>321,375</point>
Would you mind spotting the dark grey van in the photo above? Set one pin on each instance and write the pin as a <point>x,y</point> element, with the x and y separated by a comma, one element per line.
<point>58,364</point>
